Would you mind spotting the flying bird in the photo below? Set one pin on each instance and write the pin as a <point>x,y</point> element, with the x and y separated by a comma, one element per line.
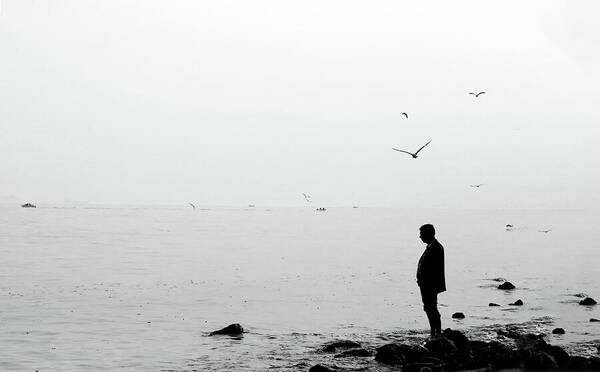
<point>545,231</point>
<point>193,206</point>
<point>478,185</point>
<point>307,197</point>
<point>477,94</point>
<point>405,114</point>
<point>410,153</point>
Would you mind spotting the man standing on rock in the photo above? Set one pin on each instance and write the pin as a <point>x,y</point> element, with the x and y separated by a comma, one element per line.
<point>431,277</point>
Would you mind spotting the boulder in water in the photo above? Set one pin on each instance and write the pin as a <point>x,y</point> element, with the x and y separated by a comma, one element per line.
<point>28,205</point>
<point>458,316</point>
<point>339,344</point>
<point>360,352</point>
<point>460,340</point>
<point>441,347</point>
<point>320,368</point>
<point>594,320</point>
<point>493,304</point>
<point>401,354</point>
<point>517,303</point>
<point>506,285</point>
<point>588,301</point>
<point>558,331</point>
<point>232,330</point>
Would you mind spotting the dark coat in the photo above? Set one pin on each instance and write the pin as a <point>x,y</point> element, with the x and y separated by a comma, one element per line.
<point>430,272</point>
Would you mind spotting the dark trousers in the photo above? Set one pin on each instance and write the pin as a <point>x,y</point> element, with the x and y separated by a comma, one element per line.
<point>429,298</point>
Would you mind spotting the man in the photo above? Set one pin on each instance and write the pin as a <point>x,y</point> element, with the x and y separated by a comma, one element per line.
<point>431,278</point>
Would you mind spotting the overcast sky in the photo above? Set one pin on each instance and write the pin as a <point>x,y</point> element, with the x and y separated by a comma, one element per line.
<point>238,102</point>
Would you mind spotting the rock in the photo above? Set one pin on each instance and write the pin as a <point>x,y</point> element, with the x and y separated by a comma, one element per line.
<point>418,367</point>
<point>540,360</point>
<point>460,340</point>
<point>588,301</point>
<point>492,352</point>
<point>559,354</point>
<point>401,354</point>
<point>340,344</point>
<point>232,329</point>
<point>509,334</point>
<point>320,368</point>
<point>441,347</point>
<point>360,352</point>
<point>531,341</point>
<point>506,285</point>
<point>594,320</point>
<point>558,331</point>
<point>493,304</point>
<point>28,205</point>
<point>576,362</point>
<point>594,363</point>
<point>458,316</point>
<point>517,303</point>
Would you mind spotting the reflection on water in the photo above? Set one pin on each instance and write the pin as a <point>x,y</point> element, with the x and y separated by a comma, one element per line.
<point>120,288</point>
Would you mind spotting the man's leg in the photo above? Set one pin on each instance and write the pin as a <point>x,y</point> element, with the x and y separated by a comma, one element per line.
<point>430,306</point>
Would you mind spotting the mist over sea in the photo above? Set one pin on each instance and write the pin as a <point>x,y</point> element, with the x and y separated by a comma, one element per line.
<point>90,287</point>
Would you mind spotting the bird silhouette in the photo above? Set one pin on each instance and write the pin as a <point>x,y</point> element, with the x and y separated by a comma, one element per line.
<point>405,114</point>
<point>478,185</point>
<point>545,231</point>
<point>477,94</point>
<point>307,197</point>
<point>193,206</point>
<point>410,153</point>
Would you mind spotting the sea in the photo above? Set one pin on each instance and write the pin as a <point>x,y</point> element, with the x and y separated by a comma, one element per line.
<point>139,288</point>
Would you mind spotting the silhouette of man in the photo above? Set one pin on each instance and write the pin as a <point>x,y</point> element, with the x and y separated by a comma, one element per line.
<point>431,277</point>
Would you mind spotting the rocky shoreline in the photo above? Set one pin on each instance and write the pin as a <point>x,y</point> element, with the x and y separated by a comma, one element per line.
<point>454,351</point>
<point>513,350</point>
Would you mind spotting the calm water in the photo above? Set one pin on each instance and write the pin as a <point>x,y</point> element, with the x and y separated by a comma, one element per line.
<point>129,288</point>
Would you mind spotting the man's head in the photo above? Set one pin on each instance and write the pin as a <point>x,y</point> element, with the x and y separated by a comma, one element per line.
<point>427,233</point>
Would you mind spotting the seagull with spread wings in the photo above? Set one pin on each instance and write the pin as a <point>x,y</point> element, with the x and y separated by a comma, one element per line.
<point>545,231</point>
<point>193,206</point>
<point>405,114</point>
<point>478,185</point>
<point>307,197</point>
<point>477,94</point>
<point>410,153</point>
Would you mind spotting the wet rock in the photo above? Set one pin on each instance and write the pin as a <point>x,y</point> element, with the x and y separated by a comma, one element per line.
<point>588,301</point>
<point>509,334</point>
<point>339,344</point>
<point>541,360</point>
<point>576,362</point>
<point>506,285</point>
<point>493,304</point>
<point>458,316</point>
<point>401,354</point>
<point>531,341</point>
<point>418,367</point>
<point>320,368</point>
<point>457,337</point>
<point>441,347</point>
<point>482,354</point>
<point>594,363</point>
<point>594,320</point>
<point>517,303</point>
<point>360,352</point>
<point>232,329</point>
<point>559,354</point>
<point>558,331</point>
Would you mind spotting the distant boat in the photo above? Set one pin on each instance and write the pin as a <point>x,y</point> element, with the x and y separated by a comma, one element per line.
<point>355,206</point>
<point>28,205</point>
<point>251,205</point>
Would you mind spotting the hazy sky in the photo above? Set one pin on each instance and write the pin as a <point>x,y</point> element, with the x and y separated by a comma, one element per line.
<point>238,102</point>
